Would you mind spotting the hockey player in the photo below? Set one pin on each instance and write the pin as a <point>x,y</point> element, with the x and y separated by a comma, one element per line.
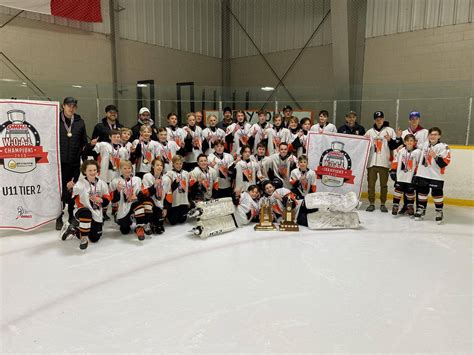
<point>303,181</point>
<point>192,142</point>
<point>278,197</point>
<point>165,149</point>
<point>278,134</point>
<point>125,190</point>
<point>296,134</point>
<point>383,140</point>
<point>223,163</point>
<point>247,206</point>
<point>323,125</point>
<point>305,125</point>
<point>247,171</point>
<point>156,185</point>
<point>143,151</point>
<point>211,134</point>
<point>279,166</point>
<point>414,127</point>
<point>203,181</point>
<point>177,196</point>
<point>259,131</point>
<point>175,133</point>
<point>402,172</point>
<point>238,133</point>
<point>125,134</point>
<point>91,194</point>
<point>435,156</point>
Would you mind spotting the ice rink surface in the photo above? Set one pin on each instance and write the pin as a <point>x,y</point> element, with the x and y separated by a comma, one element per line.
<point>394,285</point>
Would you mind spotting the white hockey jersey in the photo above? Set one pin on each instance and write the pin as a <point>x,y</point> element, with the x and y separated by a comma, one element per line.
<point>178,194</point>
<point>196,142</point>
<point>222,165</point>
<point>130,187</point>
<point>166,151</point>
<point>327,128</point>
<point>148,153</point>
<point>109,159</point>
<point>246,210</point>
<point>240,133</point>
<point>380,154</point>
<point>246,174</point>
<point>207,180</point>
<point>421,135</point>
<point>276,202</point>
<point>161,184</point>
<point>428,166</point>
<point>211,134</point>
<point>260,134</point>
<point>304,181</point>
<point>406,164</point>
<point>281,167</point>
<point>276,136</point>
<point>177,135</point>
<point>83,190</point>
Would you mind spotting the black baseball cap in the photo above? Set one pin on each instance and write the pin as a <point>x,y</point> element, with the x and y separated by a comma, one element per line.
<point>227,109</point>
<point>111,108</point>
<point>69,100</point>
<point>378,114</point>
<point>287,107</point>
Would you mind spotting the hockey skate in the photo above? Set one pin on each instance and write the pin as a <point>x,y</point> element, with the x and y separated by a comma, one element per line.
<point>410,211</point>
<point>395,210</point>
<point>148,229</point>
<point>439,216</point>
<point>70,230</point>
<point>420,212</point>
<point>84,243</point>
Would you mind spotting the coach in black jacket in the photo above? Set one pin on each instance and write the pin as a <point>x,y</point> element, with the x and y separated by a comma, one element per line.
<point>72,140</point>
<point>351,126</point>
<point>109,122</point>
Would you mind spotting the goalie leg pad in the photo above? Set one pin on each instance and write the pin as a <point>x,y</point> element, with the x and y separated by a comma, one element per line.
<point>332,201</point>
<point>211,227</point>
<point>213,208</point>
<point>333,220</point>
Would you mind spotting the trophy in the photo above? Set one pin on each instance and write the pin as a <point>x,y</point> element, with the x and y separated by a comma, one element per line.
<point>288,224</point>
<point>266,218</point>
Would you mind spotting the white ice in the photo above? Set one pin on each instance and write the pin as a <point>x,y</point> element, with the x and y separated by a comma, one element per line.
<point>394,285</point>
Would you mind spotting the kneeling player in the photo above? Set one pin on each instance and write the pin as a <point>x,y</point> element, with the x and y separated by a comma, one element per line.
<point>91,195</point>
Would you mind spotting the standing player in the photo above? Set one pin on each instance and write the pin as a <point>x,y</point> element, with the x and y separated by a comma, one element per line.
<point>402,172</point>
<point>278,134</point>
<point>175,133</point>
<point>247,171</point>
<point>324,126</point>
<point>222,162</point>
<point>177,196</point>
<point>414,127</point>
<point>143,151</point>
<point>203,181</point>
<point>430,175</point>
<point>211,134</point>
<point>192,142</point>
<point>259,131</point>
<point>165,149</point>
<point>279,165</point>
<point>302,179</point>
<point>238,133</point>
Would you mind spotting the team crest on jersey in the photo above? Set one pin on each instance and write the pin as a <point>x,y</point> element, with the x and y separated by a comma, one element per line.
<point>334,167</point>
<point>20,145</point>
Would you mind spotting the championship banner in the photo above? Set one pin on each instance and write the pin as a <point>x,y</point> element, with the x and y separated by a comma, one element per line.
<point>30,178</point>
<point>339,161</point>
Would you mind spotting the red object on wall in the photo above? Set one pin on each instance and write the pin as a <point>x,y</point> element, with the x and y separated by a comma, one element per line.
<point>80,10</point>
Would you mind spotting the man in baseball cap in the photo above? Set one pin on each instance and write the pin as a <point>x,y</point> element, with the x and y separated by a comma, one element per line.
<point>144,117</point>
<point>110,121</point>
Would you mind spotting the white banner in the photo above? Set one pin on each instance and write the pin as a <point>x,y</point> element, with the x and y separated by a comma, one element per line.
<point>339,161</point>
<point>30,177</point>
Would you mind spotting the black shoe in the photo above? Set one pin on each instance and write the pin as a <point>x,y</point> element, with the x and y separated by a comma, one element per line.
<point>383,209</point>
<point>106,217</point>
<point>371,208</point>
<point>160,229</point>
<point>59,223</point>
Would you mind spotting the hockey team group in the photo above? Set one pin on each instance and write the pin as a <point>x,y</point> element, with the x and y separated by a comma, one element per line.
<point>219,176</point>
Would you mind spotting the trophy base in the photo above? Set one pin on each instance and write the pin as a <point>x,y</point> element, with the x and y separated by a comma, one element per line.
<point>265,227</point>
<point>289,227</point>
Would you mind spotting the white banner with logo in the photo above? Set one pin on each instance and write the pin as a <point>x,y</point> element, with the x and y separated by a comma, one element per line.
<point>339,161</point>
<point>30,177</point>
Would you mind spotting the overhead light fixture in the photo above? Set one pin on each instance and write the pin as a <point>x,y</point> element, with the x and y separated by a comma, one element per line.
<point>268,88</point>
<point>142,85</point>
<point>77,86</point>
<point>12,80</point>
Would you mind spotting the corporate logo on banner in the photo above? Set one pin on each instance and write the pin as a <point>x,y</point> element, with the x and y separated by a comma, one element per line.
<point>20,144</point>
<point>334,167</point>
<point>339,161</point>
